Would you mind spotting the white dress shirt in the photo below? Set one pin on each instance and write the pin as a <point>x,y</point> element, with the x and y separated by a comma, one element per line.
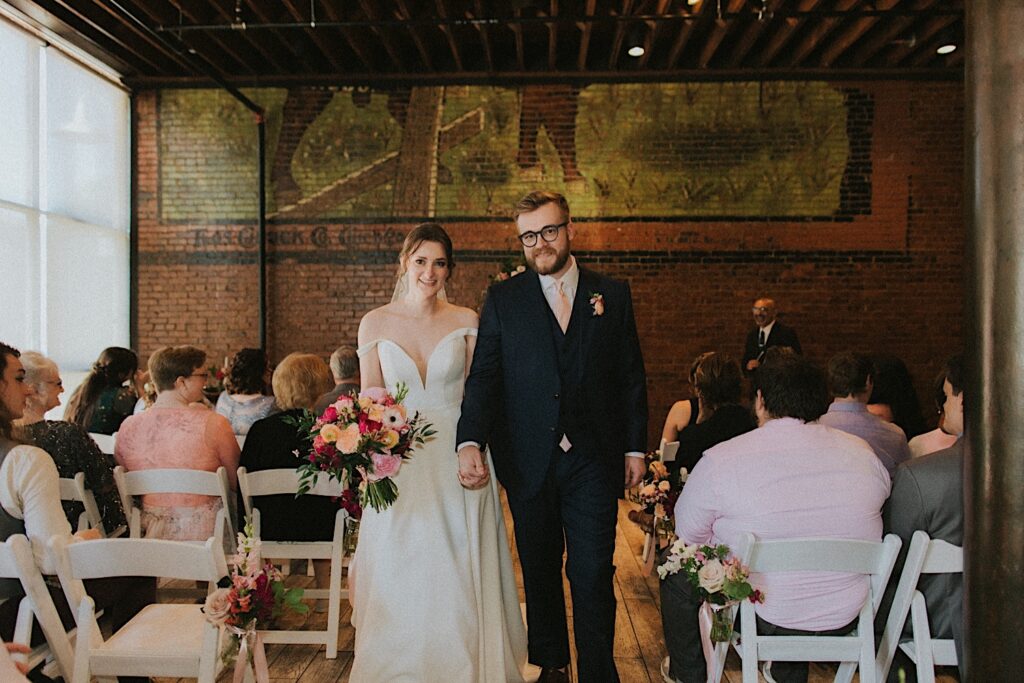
<point>30,491</point>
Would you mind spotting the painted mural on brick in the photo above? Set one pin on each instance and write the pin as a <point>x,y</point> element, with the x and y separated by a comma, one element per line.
<point>694,151</point>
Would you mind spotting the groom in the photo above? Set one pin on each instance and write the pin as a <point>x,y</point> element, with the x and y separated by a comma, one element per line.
<point>557,389</point>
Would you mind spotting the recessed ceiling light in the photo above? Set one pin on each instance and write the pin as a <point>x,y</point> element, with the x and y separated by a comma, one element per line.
<point>636,51</point>
<point>946,49</point>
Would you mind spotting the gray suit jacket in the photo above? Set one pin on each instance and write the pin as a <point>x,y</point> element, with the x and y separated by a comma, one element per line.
<point>928,494</point>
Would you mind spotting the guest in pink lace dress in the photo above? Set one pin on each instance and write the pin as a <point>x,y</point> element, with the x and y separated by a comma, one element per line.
<point>178,432</point>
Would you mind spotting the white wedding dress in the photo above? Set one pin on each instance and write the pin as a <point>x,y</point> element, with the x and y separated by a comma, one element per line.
<point>434,598</point>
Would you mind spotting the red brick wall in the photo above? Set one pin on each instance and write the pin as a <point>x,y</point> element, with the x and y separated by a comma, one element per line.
<point>886,281</point>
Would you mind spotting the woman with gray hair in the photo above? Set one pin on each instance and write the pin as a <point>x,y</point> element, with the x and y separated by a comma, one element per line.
<point>68,444</point>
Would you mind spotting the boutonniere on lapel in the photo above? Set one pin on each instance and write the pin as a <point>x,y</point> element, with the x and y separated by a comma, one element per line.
<point>597,302</point>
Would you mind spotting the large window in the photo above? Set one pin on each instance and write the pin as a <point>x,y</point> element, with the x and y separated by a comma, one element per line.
<point>64,203</point>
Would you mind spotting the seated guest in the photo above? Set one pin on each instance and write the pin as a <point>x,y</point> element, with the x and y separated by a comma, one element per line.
<point>271,444</point>
<point>718,383</point>
<point>850,379</point>
<point>928,494</point>
<point>789,478</point>
<point>937,439</point>
<point>893,397</point>
<point>244,399</point>
<point>175,433</point>
<point>102,402</point>
<point>345,370</point>
<point>30,505</point>
<point>683,413</point>
<point>68,444</point>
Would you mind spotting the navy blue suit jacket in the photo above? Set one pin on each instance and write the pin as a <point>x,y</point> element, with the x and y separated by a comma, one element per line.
<point>511,400</point>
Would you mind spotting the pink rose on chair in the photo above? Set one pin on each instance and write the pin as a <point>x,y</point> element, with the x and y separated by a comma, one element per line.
<point>385,466</point>
<point>217,607</point>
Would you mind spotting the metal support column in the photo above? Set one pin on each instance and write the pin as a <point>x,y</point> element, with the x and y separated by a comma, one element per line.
<point>994,402</point>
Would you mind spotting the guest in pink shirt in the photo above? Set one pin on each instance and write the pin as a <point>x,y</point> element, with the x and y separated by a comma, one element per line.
<point>178,432</point>
<point>790,478</point>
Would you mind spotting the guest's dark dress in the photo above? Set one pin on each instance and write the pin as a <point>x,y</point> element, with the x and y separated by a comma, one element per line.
<point>112,407</point>
<point>73,451</point>
<point>270,445</point>
<point>726,422</point>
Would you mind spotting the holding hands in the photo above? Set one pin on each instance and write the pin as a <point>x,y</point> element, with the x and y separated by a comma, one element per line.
<point>473,472</point>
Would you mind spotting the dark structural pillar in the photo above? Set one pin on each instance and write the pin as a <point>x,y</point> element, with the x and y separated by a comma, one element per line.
<point>994,346</point>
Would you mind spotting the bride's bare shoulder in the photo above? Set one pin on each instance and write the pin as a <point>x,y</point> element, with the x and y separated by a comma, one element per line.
<point>374,323</point>
<point>464,317</point>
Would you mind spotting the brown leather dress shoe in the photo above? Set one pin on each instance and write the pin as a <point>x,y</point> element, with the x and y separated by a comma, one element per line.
<point>550,675</point>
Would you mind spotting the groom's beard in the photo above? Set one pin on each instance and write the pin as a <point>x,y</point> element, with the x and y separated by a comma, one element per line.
<point>561,258</point>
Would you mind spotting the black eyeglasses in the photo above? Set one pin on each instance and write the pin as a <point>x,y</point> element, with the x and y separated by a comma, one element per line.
<point>548,232</point>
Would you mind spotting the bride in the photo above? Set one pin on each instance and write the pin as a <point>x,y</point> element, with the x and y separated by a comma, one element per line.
<point>433,595</point>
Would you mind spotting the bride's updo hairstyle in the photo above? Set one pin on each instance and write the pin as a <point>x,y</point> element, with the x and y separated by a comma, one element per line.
<point>425,232</point>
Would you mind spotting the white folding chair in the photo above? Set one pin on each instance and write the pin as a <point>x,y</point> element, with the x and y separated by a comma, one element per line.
<point>286,481</point>
<point>170,640</point>
<point>240,438</point>
<point>74,489</point>
<point>104,441</point>
<point>872,559</point>
<point>17,562</point>
<point>198,482</point>
<point>924,556</point>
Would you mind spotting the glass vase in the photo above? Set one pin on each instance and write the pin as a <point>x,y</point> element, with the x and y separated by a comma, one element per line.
<point>721,623</point>
<point>351,535</point>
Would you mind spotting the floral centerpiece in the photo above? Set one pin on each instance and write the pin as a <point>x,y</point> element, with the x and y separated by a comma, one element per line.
<point>362,442</point>
<point>256,597</point>
<point>657,497</point>
<point>719,580</point>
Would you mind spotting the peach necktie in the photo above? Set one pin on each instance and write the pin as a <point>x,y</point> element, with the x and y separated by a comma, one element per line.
<point>564,311</point>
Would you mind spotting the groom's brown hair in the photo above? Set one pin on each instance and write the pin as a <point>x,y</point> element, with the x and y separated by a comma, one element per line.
<point>537,199</point>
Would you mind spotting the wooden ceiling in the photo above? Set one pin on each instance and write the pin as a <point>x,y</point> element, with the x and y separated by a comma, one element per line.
<point>249,42</point>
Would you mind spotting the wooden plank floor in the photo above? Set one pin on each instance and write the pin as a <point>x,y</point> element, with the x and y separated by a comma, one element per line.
<point>639,645</point>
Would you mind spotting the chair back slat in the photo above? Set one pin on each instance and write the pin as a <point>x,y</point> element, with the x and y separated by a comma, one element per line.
<point>198,482</point>
<point>943,558</point>
<point>817,554</point>
<point>669,451</point>
<point>146,557</point>
<point>104,441</point>
<point>281,481</point>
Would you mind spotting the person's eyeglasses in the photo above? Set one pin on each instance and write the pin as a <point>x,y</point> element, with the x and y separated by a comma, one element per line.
<point>548,232</point>
<point>760,309</point>
<point>204,375</point>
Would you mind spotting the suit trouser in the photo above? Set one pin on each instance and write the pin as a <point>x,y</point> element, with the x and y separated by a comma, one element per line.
<point>680,606</point>
<point>575,511</point>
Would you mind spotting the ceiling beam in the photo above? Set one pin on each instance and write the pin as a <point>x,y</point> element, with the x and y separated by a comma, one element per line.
<point>783,34</point>
<point>880,40</point>
<point>620,35</point>
<point>485,36</point>
<point>79,19</point>
<point>929,39</point>
<point>314,35</point>
<point>402,12</point>
<point>192,15</point>
<point>817,35</point>
<point>653,28</point>
<point>453,44</point>
<point>840,44</point>
<point>683,37</point>
<point>717,35</point>
<point>553,38</point>
<point>371,14</point>
<point>751,35</point>
<point>586,27</point>
<point>257,10</point>
<point>517,32</point>
<point>346,33</point>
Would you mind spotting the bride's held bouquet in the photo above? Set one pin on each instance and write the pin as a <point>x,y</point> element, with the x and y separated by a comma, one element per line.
<point>256,597</point>
<point>362,442</point>
<point>720,580</point>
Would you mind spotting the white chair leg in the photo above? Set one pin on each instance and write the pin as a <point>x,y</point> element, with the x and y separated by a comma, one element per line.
<point>334,604</point>
<point>922,640</point>
<point>845,673</point>
<point>209,656</point>
<point>749,654</point>
<point>83,642</point>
